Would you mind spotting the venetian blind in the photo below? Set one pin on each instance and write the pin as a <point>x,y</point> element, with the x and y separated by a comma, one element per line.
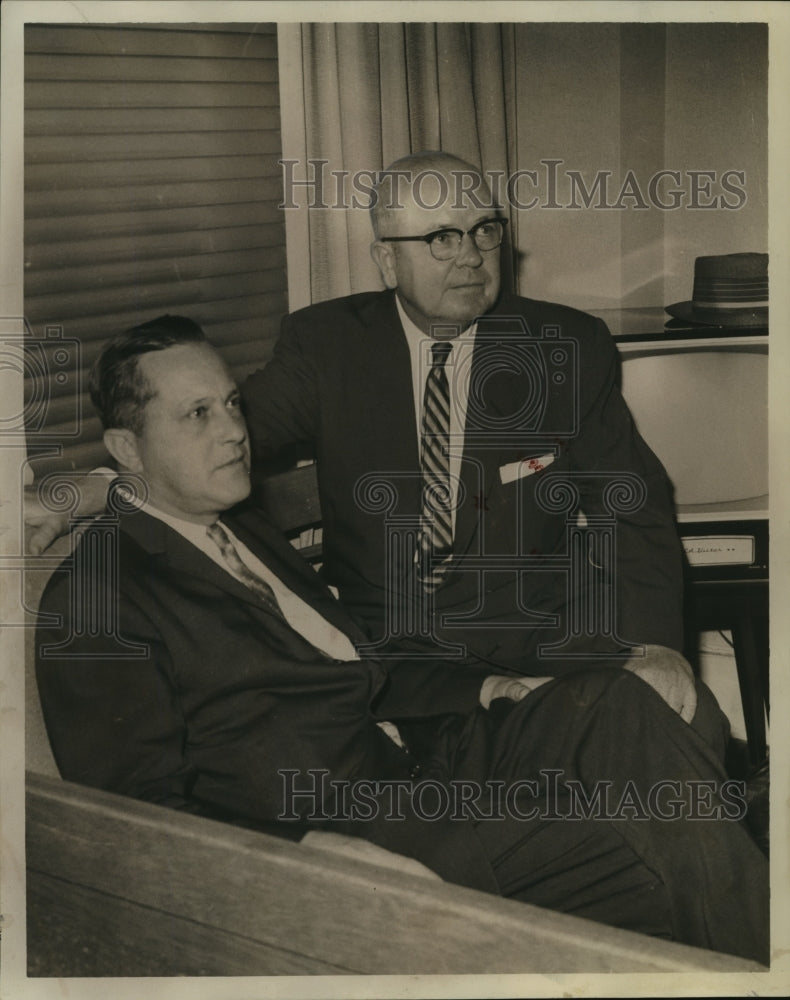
<point>151,186</point>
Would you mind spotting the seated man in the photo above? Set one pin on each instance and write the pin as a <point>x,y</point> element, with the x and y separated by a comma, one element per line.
<point>202,665</point>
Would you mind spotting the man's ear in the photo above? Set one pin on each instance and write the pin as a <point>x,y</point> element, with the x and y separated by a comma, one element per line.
<point>122,445</point>
<point>384,256</point>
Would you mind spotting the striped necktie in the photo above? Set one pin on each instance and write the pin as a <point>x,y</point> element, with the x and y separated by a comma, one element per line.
<point>436,537</point>
<point>241,571</point>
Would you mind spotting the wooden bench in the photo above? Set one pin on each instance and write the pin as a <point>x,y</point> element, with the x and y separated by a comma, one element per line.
<point>118,887</point>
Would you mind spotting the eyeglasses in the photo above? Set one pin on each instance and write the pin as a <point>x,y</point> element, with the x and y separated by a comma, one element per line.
<point>445,244</point>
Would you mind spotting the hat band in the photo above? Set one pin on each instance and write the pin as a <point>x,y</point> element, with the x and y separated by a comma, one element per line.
<point>761,304</point>
<point>737,290</point>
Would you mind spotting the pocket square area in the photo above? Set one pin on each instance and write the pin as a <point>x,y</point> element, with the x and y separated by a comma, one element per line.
<point>525,467</point>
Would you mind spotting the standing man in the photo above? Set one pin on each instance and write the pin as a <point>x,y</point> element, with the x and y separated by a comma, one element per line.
<point>463,437</point>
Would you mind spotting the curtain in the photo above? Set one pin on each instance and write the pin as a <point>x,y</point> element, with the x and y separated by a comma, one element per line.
<point>359,96</point>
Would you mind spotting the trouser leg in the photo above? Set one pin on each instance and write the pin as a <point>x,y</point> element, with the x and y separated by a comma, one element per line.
<point>583,868</point>
<point>609,726</point>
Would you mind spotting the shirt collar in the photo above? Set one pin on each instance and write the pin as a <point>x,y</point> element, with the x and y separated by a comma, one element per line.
<point>415,336</point>
<point>195,533</point>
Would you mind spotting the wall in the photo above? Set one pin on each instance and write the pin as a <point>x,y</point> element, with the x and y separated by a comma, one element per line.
<point>716,119</point>
<point>641,98</point>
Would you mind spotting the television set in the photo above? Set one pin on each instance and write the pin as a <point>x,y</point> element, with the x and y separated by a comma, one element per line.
<point>699,398</point>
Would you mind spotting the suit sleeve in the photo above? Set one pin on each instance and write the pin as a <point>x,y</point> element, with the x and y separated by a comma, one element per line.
<point>112,718</point>
<point>280,400</point>
<point>418,689</point>
<point>647,579</point>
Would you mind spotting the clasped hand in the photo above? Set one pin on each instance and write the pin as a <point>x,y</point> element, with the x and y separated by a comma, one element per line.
<point>514,688</point>
<point>664,669</point>
<point>670,674</point>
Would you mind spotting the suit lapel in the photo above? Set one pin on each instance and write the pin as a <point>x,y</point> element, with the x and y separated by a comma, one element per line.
<point>492,394</point>
<point>186,562</point>
<point>175,554</point>
<point>390,443</point>
<point>512,397</point>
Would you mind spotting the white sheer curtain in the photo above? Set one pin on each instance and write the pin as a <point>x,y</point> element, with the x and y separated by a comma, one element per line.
<point>361,95</point>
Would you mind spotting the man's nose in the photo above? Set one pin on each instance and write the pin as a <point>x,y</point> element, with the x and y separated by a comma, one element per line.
<point>232,426</point>
<point>468,254</point>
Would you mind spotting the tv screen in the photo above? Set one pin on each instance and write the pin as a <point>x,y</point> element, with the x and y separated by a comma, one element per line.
<point>703,409</point>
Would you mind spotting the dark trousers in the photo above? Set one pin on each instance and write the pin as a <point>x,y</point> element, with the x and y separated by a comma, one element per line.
<point>661,850</point>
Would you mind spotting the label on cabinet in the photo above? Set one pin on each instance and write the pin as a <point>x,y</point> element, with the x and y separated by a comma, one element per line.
<point>719,550</point>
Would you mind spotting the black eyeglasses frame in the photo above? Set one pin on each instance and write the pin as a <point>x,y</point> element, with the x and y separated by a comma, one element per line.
<point>428,237</point>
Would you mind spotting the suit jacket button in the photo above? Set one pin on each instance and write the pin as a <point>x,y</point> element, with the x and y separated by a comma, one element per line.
<point>416,771</point>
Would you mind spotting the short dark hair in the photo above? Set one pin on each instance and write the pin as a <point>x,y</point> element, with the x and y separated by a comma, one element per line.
<point>118,389</point>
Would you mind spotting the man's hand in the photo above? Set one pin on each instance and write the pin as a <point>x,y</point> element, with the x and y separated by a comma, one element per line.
<point>43,526</point>
<point>670,675</point>
<point>514,688</point>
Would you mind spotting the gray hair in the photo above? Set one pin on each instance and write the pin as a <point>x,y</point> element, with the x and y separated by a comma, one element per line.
<point>467,180</point>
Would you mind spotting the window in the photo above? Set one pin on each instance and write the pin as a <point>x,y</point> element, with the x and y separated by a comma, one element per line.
<point>151,185</point>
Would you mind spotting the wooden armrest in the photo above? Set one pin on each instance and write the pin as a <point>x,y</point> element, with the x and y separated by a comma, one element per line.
<point>358,849</point>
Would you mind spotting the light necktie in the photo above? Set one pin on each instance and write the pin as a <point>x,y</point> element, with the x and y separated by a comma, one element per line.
<point>241,571</point>
<point>436,537</point>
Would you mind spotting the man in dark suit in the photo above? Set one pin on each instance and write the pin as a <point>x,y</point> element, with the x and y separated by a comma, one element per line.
<point>559,548</point>
<point>202,665</point>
